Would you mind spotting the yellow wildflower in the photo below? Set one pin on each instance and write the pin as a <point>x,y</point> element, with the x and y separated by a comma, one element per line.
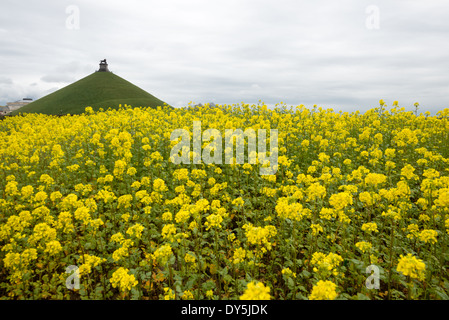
<point>411,266</point>
<point>123,280</point>
<point>324,290</point>
<point>288,272</point>
<point>256,291</point>
<point>213,220</point>
<point>428,236</point>
<point>370,227</point>
<point>363,246</point>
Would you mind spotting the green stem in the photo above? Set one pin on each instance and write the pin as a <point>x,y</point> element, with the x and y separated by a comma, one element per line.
<point>295,246</point>
<point>170,284</point>
<point>218,264</point>
<point>409,288</point>
<point>391,260</point>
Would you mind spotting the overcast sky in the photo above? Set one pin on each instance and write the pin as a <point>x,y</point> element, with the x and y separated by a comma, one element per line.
<point>344,54</point>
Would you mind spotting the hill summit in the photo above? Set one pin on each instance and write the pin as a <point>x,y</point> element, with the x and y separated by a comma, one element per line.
<point>102,89</point>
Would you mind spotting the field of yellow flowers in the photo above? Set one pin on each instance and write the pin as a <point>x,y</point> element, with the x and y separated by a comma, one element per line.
<point>358,208</point>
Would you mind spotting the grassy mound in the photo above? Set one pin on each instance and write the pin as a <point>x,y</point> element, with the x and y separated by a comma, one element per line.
<point>98,90</point>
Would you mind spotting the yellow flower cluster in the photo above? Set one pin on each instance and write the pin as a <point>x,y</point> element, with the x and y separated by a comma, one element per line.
<point>18,263</point>
<point>182,216</point>
<point>328,213</point>
<point>190,258</point>
<point>42,233</point>
<point>136,230</point>
<point>366,198</point>
<point>125,201</point>
<point>375,179</point>
<point>187,295</point>
<point>324,290</point>
<point>288,272</point>
<point>123,251</point>
<point>370,227</point>
<point>315,191</point>
<point>163,253</point>
<point>159,185</point>
<point>83,214</point>
<point>88,262</point>
<point>238,202</point>
<point>392,213</point>
<point>213,221</point>
<point>256,291</point>
<point>260,236</point>
<point>239,255</point>
<point>340,200</point>
<point>428,236</point>
<point>53,247</point>
<point>409,265</point>
<point>169,294</point>
<point>443,198</point>
<point>326,264</point>
<point>316,229</point>
<point>363,246</point>
<point>168,231</point>
<point>123,280</point>
<point>288,208</point>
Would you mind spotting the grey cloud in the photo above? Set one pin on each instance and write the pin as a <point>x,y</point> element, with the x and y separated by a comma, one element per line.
<point>58,78</point>
<point>293,51</point>
<point>67,72</point>
<point>4,81</point>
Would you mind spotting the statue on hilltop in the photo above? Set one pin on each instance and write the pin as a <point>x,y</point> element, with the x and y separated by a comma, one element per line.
<point>103,66</point>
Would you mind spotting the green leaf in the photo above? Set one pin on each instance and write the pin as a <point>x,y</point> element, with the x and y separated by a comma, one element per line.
<point>99,292</point>
<point>302,288</point>
<point>441,293</point>
<point>227,278</point>
<point>288,263</point>
<point>359,264</point>
<point>290,283</point>
<point>300,296</point>
<point>361,296</point>
<point>135,294</point>
<point>208,285</point>
<point>223,271</point>
<point>305,273</point>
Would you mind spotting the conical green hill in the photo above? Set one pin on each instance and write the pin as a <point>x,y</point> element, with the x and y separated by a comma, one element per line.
<point>98,90</point>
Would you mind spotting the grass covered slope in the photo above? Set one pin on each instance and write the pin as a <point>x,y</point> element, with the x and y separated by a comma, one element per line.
<point>98,90</point>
